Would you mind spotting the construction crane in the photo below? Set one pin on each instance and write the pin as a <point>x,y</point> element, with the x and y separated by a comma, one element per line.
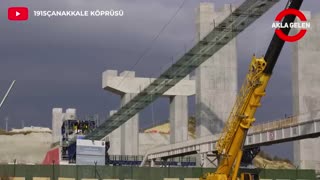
<point>230,144</point>
<point>4,99</point>
<point>7,93</point>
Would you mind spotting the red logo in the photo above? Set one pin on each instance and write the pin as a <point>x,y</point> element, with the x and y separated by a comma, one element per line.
<point>302,18</point>
<point>18,13</point>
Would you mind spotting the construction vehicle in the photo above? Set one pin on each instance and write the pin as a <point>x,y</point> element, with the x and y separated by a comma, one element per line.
<point>230,145</point>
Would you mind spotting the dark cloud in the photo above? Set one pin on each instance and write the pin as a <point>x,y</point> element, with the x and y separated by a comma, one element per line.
<point>58,62</point>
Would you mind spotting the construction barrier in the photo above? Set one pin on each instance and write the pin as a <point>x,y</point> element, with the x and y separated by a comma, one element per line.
<point>73,172</point>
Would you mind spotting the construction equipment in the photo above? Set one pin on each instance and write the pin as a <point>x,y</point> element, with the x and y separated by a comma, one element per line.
<point>7,93</point>
<point>230,144</point>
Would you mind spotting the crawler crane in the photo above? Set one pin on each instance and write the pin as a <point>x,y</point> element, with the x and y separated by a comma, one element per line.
<point>230,144</point>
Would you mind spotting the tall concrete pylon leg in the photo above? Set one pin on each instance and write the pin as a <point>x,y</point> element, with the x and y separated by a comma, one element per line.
<point>124,140</point>
<point>130,130</point>
<point>58,117</point>
<point>116,139</point>
<point>57,120</point>
<point>178,118</point>
<point>306,90</point>
<point>216,79</point>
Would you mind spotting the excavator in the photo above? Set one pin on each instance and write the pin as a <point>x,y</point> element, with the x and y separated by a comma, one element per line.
<point>231,143</point>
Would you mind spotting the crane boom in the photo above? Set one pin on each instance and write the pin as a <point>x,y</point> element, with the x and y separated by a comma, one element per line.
<point>7,93</point>
<point>248,100</point>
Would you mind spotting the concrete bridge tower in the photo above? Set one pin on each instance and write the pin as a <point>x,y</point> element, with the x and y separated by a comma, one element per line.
<point>306,90</point>
<point>216,78</point>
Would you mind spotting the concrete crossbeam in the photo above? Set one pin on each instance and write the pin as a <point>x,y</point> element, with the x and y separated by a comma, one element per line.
<point>126,82</point>
<point>127,86</point>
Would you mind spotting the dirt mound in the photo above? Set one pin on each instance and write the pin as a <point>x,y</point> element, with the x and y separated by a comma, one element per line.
<point>25,147</point>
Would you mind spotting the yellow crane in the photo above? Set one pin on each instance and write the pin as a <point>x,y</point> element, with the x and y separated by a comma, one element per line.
<point>230,144</point>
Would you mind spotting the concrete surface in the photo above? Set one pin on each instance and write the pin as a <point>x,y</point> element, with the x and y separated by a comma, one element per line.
<point>58,116</point>
<point>306,90</point>
<point>216,79</point>
<point>130,131</point>
<point>71,114</point>
<point>57,119</point>
<point>178,118</point>
<point>29,148</point>
<point>126,82</point>
<point>115,140</point>
<point>124,140</point>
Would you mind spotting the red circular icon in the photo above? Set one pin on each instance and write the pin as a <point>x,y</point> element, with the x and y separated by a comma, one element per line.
<point>297,13</point>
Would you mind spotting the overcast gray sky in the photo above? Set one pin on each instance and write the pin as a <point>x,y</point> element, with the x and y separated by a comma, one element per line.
<point>58,62</point>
